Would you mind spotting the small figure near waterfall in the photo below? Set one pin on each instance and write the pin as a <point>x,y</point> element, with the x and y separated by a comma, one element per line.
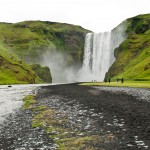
<point>109,80</point>
<point>122,80</point>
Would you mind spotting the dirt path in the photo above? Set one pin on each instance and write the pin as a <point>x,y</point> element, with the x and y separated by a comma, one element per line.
<point>109,119</point>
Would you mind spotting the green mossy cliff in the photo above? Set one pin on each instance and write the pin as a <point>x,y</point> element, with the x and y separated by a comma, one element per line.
<point>30,39</point>
<point>133,55</point>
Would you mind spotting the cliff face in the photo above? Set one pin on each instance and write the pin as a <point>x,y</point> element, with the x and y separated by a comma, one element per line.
<point>133,55</point>
<point>30,39</point>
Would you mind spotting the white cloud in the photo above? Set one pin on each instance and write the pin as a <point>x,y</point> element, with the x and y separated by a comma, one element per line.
<point>96,15</point>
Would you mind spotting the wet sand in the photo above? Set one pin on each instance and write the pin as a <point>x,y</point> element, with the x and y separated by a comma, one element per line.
<point>123,113</point>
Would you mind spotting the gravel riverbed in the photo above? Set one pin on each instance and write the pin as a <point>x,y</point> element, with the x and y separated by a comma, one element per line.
<point>123,113</point>
<point>139,93</point>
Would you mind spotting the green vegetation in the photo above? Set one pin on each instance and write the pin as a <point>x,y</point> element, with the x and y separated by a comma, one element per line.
<point>55,123</point>
<point>133,55</point>
<point>29,100</point>
<point>13,70</point>
<point>42,72</point>
<point>138,84</point>
<point>30,39</point>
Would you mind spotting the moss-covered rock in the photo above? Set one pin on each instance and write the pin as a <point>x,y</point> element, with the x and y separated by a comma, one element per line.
<point>133,55</point>
<point>42,72</point>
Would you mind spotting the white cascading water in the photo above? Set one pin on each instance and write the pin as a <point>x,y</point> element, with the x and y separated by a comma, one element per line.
<point>99,53</point>
<point>96,54</point>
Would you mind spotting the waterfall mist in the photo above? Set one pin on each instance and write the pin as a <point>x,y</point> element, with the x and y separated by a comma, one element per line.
<point>61,70</point>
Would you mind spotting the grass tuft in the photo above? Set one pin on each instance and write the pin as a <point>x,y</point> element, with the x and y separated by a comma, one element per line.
<point>29,100</point>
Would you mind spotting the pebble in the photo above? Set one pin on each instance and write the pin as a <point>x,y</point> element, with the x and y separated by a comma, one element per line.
<point>139,93</point>
<point>20,135</point>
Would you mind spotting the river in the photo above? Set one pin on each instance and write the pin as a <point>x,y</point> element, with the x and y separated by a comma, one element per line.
<point>11,98</point>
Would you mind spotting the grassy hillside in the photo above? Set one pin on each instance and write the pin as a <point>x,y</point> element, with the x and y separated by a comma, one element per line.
<point>133,55</point>
<point>30,39</point>
<point>15,71</point>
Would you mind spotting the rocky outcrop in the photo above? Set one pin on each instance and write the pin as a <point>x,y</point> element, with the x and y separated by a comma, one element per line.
<point>42,72</point>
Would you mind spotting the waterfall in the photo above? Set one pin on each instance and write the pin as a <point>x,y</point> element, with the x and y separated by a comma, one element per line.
<point>99,53</point>
<point>96,55</point>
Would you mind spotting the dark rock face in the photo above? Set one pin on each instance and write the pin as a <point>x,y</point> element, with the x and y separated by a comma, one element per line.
<point>73,43</point>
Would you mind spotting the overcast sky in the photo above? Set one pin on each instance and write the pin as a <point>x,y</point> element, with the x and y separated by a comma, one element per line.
<point>95,15</point>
